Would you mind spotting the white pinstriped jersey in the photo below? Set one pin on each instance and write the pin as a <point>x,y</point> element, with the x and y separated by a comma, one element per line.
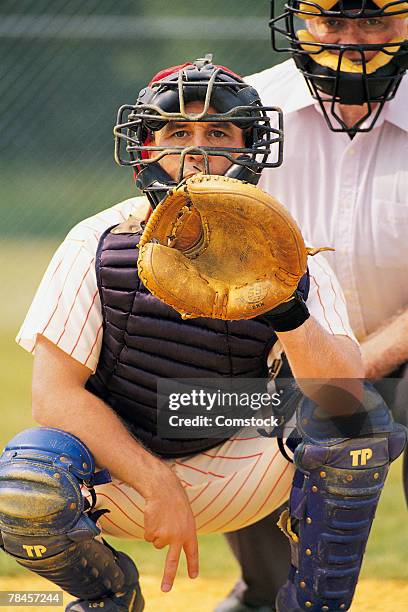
<point>67,311</point>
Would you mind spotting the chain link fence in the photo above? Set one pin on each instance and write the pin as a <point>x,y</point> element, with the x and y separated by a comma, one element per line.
<point>67,65</point>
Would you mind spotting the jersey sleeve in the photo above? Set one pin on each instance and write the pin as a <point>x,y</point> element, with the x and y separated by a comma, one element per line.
<point>66,308</point>
<point>326,302</point>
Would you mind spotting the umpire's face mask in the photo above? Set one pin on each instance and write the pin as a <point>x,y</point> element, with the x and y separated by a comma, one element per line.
<point>359,31</point>
<point>203,145</point>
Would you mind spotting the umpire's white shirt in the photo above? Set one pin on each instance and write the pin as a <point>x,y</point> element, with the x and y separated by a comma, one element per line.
<point>349,194</point>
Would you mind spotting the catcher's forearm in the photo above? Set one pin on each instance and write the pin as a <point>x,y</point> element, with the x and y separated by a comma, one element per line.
<point>317,358</point>
<point>387,348</point>
<point>315,353</point>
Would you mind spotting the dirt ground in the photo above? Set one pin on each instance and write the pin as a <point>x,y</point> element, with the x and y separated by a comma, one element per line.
<point>201,595</point>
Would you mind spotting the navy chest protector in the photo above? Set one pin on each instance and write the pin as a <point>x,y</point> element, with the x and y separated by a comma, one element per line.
<point>144,339</point>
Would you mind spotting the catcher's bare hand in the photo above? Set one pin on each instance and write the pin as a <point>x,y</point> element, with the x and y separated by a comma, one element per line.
<point>169,522</point>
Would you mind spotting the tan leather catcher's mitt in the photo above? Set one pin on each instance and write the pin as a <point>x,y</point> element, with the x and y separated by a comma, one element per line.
<point>216,247</point>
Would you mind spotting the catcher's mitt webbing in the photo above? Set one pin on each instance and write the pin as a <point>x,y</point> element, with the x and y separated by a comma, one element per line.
<point>216,247</point>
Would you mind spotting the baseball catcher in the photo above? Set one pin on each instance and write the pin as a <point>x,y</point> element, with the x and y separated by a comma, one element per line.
<point>202,289</point>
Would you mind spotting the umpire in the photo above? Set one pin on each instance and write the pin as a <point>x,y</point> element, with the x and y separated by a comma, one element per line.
<point>345,100</point>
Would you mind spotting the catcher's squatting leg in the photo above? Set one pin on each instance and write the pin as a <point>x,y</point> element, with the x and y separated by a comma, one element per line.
<point>252,545</point>
<point>44,526</point>
<point>341,465</point>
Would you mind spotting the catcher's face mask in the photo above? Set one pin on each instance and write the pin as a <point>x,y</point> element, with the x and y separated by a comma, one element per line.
<point>170,100</point>
<point>350,52</point>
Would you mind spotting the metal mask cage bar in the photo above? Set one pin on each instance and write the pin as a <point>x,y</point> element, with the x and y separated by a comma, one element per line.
<point>183,83</point>
<point>329,107</point>
<point>150,111</point>
<point>288,31</point>
<point>399,7</point>
<point>331,101</point>
<point>131,134</point>
<point>363,62</point>
<point>387,48</point>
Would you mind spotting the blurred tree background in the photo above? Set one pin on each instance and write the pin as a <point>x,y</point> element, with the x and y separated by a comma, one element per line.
<point>67,66</point>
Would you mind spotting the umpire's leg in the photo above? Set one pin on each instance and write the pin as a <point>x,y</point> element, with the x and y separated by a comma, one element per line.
<point>262,550</point>
<point>394,389</point>
<point>263,553</point>
<point>401,416</point>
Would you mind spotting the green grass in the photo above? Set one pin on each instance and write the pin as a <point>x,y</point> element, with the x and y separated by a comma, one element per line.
<point>22,265</point>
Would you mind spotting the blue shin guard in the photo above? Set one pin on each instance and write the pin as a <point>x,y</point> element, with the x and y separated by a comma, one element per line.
<point>43,524</point>
<point>334,497</point>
